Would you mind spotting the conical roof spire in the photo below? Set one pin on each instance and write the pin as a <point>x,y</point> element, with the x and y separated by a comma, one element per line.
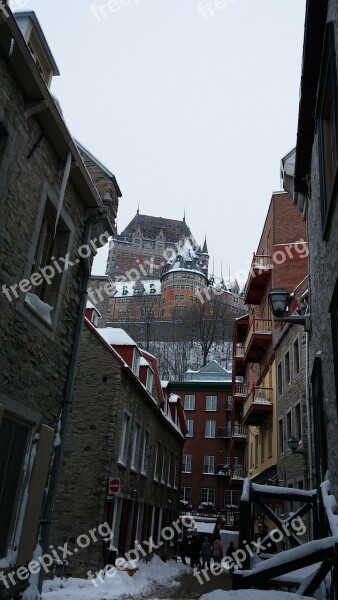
<point>205,247</point>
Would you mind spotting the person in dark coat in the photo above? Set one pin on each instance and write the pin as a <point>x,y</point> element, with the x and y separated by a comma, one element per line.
<point>184,550</point>
<point>217,550</point>
<point>206,553</point>
<point>195,552</point>
<point>230,553</point>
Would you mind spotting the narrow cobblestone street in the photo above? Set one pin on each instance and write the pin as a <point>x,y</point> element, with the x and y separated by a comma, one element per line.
<point>187,587</point>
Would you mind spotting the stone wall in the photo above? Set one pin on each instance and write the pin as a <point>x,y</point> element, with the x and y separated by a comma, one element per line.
<point>103,390</point>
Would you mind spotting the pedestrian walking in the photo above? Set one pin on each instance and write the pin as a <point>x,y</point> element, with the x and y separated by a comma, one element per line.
<point>184,550</point>
<point>230,553</point>
<point>217,550</point>
<point>195,552</point>
<point>206,553</point>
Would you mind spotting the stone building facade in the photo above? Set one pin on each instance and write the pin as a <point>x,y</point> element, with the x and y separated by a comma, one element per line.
<point>123,426</point>
<point>51,210</point>
<point>313,183</point>
<point>293,469</point>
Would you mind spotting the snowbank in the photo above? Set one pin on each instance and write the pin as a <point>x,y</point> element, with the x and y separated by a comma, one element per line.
<point>252,595</point>
<point>149,574</point>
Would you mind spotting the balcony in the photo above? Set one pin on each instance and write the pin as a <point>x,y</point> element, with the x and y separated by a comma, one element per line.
<point>259,276</point>
<point>223,470</point>
<point>258,406</point>
<point>238,359</point>
<point>258,340</point>
<point>237,476</point>
<point>239,436</point>
<point>224,432</point>
<point>240,392</point>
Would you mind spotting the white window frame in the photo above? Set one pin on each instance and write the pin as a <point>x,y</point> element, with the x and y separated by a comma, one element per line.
<point>145,447</point>
<point>189,402</point>
<point>208,465</point>
<point>208,435</point>
<point>135,453</point>
<point>211,400</point>
<point>186,463</point>
<point>124,439</point>
<point>190,426</point>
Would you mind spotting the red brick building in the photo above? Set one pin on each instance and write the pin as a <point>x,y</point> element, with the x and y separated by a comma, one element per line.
<point>280,262</point>
<point>205,483</point>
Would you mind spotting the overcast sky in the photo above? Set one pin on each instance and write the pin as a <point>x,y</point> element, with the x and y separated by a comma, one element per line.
<point>191,104</point>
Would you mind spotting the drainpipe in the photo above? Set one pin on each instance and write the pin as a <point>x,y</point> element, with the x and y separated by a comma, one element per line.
<point>45,522</point>
<point>308,412</point>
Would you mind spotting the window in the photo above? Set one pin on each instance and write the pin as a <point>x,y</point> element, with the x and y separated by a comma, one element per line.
<point>298,421</point>
<point>288,426</point>
<point>270,430</point>
<point>231,498</point>
<point>296,360</point>
<point>124,439</point>
<point>327,128</point>
<point>47,248</point>
<point>186,463</point>
<point>14,437</point>
<point>135,454</point>
<point>280,436</point>
<point>176,471</point>
<point>208,495</point>
<point>3,140</point>
<point>256,449</point>
<point>185,495</point>
<point>136,362</point>
<point>211,403</point>
<point>210,429</point>
<point>164,458</point>
<point>209,465</point>
<point>190,426</point>
<point>150,381</point>
<point>262,440</point>
<point>177,297</point>
<point>287,369</point>
<point>181,297</point>
<point>144,461</point>
<point>252,462</point>
<point>170,470</point>
<point>280,379</point>
<point>189,402</point>
<point>158,456</point>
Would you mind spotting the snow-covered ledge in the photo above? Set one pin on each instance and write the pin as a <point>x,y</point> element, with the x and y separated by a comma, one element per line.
<point>42,309</point>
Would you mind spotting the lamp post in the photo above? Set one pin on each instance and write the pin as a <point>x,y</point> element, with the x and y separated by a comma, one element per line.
<point>278,301</point>
<point>293,444</point>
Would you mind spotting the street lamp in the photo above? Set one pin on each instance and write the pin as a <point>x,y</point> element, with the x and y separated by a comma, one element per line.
<point>293,444</point>
<point>278,301</point>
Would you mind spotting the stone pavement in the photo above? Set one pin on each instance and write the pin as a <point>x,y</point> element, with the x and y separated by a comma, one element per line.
<point>188,587</point>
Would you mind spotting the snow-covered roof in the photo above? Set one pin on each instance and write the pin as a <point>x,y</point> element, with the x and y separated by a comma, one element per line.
<point>91,306</point>
<point>210,372</point>
<point>116,336</point>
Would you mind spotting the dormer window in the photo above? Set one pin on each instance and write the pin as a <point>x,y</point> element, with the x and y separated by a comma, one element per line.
<point>136,362</point>
<point>37,44</point>
<point>150,381</point>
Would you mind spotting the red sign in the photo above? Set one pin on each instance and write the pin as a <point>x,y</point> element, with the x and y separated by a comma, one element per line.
<point>114,486</point>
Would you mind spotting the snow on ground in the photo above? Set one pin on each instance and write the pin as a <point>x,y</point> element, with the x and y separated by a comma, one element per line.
<point>118,584</point>
<point>252,595</point>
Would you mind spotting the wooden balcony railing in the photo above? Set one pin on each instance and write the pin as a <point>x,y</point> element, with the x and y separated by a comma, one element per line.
<point>239,351</point>
<point>260,261</point>
<point>241,389</point>
<point>258,395</point>
<point>240,430</point>
<point>238,472</point>
<point>258,326</point>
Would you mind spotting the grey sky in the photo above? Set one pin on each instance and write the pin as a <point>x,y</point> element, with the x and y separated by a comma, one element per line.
<point>189,109</point>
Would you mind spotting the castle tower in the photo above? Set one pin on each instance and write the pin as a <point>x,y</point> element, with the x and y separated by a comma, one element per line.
<point>182,281</point>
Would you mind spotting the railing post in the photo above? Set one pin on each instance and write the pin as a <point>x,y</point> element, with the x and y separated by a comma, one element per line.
<point>245,509</point>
